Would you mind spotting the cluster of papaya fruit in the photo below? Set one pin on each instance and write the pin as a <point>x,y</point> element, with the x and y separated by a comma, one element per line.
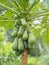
<point>24,38</point>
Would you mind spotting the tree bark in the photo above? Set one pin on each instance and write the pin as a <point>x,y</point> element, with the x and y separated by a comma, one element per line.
<point>24,57</point>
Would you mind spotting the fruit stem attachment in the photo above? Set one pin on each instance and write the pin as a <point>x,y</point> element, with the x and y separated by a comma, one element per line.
<point>24,57</point>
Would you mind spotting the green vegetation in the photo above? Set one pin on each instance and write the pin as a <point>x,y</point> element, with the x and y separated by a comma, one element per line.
<point>24,32</point>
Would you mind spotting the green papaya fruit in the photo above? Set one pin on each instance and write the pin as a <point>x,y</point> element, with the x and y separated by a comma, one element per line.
<point>25,44</point>
<point>25,35</point>
<point>20,45</point>
<point>15,44</point>
<point>31,39</point>
<point>30,46</point>
<point>20,32</point>
<point>16,23</point>
<point>14,32</point>
<point>24,23</point>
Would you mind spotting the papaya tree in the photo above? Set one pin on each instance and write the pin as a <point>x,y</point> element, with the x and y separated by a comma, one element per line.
<point>22,14</point>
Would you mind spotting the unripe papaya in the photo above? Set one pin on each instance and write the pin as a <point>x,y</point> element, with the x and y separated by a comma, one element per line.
<point>15,44</point>
<point>31,39</point>
<point>20,32</point>
<point>25,35</point>
<point>30,46</point>
<point>24,23</point>
<point>14,32</point>
<point>20,45</point>
<point>17,22</point>
<point>25,44</point>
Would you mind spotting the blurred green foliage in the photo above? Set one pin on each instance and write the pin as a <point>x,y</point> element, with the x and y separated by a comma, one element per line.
<point>8,56</point>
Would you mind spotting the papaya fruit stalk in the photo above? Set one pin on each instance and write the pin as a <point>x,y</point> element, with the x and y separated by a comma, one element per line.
<point>24,56</point>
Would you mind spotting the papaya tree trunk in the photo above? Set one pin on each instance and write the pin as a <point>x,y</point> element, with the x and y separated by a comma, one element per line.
<point>24,57</point>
